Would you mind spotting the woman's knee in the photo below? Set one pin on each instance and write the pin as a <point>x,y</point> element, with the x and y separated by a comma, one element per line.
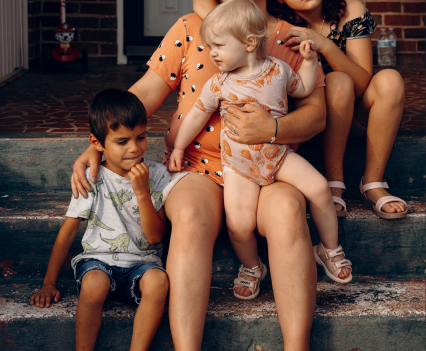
<point>95,286</point>
<point>340,86</point>
<point>389,84</point>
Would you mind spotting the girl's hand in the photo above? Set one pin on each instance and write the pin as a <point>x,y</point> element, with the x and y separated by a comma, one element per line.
<point>44,296</point>
<point>139,176</point>
<point>175,162</point>
<point>297,35</point>
<point>307,50</point>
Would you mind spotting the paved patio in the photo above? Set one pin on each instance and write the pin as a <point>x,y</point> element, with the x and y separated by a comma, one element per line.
<point>57,102</point>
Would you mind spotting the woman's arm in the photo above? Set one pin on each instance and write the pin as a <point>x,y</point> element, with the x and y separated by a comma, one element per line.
<point>254,125</point>
<point>203,7</point>
<point>358,61</point>
<point>151,89</point>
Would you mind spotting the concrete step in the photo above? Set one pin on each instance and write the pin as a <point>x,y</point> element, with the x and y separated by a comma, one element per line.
<point>42,162</point>
<point>376,247</point>
<point>369,314</point>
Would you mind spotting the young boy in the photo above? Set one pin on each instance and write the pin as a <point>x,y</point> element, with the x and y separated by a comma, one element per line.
<point>126,223</point>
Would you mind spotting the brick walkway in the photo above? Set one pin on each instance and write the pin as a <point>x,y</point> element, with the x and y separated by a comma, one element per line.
<point>57,102</point>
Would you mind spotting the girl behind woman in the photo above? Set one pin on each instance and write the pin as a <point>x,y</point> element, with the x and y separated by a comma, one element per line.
<point>342,32</point>
<point>235,32</point>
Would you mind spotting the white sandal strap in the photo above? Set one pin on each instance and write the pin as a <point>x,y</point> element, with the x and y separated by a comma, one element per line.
<point>336,184</point>
<point>373,185</point>
<point>387,199</point>
<point>257,273</point>
<point>338,200</point>
<point>342,263</point>
<point>333,253</point>
<point>245,283</point>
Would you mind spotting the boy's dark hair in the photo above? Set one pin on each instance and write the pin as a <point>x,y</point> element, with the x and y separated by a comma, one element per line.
<point>113,108</point>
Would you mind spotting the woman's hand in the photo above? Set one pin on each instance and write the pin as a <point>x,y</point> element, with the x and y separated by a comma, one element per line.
<point>251,124</point>
<point>89,158</point>
<point>296,35</point>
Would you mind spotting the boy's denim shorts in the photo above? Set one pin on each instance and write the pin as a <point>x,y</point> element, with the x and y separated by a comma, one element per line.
<point>123,280</point>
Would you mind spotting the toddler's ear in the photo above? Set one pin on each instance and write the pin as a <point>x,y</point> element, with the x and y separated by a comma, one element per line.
<point>96,143</point>
<point>252,43</point>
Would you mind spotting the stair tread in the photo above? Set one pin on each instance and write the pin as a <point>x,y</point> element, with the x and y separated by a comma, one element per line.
<point>54,206</point>
<point>367,297</point>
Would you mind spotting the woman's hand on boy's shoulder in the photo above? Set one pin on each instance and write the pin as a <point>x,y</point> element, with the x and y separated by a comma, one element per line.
<point>44,296</point>
<point>139,177</point>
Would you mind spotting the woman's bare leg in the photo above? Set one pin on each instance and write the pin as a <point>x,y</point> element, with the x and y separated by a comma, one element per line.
<point>195,208</point>
<point>281,218</point>
<point>340,97</point>
<point>381,108</point>
<point>241,197</point>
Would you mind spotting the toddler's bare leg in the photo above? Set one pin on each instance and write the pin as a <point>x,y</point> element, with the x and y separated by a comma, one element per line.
<point>94,290</point>
<point>241,196</point>
<point>302,175</point>
<point>154,286</point>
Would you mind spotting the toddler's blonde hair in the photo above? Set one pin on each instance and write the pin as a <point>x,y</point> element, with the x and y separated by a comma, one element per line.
<point>240,18</point>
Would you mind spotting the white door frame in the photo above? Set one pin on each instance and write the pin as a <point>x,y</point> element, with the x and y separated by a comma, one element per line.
<point>121,58</point>
<point>13,42</point>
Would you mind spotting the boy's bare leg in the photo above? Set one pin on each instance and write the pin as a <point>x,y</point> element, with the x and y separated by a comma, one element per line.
<point>303,176</point>
<point>94,290</point>
<point>154,286</point>
<point>241,196</point>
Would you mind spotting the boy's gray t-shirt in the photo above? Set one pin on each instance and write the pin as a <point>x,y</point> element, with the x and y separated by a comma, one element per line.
<point>114,234</point>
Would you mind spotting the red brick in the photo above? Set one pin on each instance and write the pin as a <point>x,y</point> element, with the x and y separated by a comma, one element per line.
<point>420,46</point>
<point>414,7</point>
<point>406,46</point>
<point>98,9</point>
<point>110,22</point>
<point>55,7</point>
<point>33,22</point>
<point>92,49</point>
<point>34,8</point>
<point>48,35</point>
<point>380,7</point>
<point>414,33</point>
<point>98,35</point>
<point>50,21</point>
<point>408,58</point>
<point>34,36</point>
<point>377,19</point>
<point>83,22</point>
<point>402,20</point>
<point>108,49</point>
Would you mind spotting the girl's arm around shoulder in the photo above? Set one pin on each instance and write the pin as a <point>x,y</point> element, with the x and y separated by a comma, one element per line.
<point>63,242</point>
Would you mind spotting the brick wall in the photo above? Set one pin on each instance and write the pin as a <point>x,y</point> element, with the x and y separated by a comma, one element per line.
<point>408,19</point>
<point>96,27</point>
<point>95,22</point>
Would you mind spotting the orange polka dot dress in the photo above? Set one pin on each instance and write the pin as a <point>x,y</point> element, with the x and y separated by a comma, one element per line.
<point>183,62</point>
<point>267,89</point>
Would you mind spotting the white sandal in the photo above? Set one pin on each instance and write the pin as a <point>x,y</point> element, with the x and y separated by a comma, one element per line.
<point>377,207</point>
<point>323,257</point>
<point>337,200</point>
<point>258,272</point>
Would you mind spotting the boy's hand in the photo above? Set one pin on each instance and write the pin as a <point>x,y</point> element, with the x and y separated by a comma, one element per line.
<point>175,162</point>
<point>139,176</point>
<point>307,50</point>
<point>44,296</point>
